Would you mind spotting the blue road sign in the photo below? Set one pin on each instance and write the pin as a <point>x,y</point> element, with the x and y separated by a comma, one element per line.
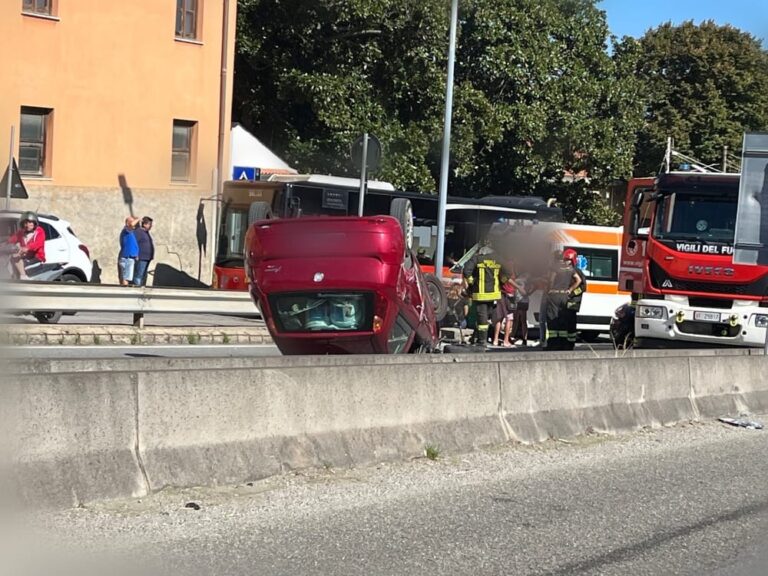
<point>245,173</point>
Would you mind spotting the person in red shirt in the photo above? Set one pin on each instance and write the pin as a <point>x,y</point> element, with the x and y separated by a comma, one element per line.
<point>30,238</point>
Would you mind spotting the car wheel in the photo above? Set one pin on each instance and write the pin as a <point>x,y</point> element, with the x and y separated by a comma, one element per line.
<point>402,211</point>
<point>259,211</point>
<point>437,295</point>
<point>54,317</point>
<point>48,317</point>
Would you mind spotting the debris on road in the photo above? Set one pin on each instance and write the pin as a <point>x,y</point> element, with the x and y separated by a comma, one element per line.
<point>743,422</point>
<point>192,505</point>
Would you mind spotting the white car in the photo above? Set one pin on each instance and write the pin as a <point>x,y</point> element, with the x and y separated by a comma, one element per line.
<point>62,246</point>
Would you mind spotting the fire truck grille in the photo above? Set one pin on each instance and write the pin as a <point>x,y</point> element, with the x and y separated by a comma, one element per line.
<point>661,281</point>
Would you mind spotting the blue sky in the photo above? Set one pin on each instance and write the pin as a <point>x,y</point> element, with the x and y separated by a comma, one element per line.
<point>634,17</point>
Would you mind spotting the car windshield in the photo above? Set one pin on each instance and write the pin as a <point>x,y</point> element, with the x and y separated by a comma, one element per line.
<point>695,216</point>
<point>323,312</point>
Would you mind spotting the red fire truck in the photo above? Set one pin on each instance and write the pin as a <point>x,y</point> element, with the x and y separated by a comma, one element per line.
<point>677,261</point>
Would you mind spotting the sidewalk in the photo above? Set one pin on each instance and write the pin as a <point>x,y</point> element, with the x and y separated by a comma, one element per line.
<point>94,335</point>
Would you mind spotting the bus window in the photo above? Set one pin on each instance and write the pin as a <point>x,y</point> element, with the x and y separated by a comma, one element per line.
<point>237,223</point>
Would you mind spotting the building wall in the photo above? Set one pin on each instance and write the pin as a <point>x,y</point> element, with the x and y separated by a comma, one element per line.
<point>116,77</point>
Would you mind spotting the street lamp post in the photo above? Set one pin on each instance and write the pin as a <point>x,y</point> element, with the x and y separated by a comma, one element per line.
<point>440,255</point>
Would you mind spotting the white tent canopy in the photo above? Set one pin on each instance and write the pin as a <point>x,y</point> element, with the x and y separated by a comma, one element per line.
<point>248,152</point>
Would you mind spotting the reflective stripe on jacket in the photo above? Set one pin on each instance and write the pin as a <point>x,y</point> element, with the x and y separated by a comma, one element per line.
<point>483,276</point>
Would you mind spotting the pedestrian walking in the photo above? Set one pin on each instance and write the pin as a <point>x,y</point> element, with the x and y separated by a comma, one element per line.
<point>146,251</point>
<point>129,252</point>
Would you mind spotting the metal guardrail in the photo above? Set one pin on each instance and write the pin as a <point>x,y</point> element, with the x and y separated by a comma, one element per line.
<point>66,297</point>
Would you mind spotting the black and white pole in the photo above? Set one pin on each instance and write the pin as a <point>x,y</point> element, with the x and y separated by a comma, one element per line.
<point>440,255</point>
<point>10,174</point>
<point>363,175</point>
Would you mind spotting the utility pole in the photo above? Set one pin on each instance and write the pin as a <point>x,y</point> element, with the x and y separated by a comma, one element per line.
<point>440,255</point>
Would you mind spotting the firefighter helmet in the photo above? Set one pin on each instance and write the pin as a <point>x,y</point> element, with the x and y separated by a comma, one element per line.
<point>570,255</point>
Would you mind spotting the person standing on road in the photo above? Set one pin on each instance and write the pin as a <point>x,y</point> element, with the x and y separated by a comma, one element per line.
<point>129,252</point>
<point>563,282</point>
<point>483,274</point>
<point>574,298</point>
<point>146,251</point>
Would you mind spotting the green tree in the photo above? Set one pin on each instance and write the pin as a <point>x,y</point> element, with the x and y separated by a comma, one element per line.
<point>704,86</point>
<point>537,94</point>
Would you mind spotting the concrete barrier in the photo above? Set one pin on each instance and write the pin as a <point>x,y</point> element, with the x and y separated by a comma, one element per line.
<point>89,435</point>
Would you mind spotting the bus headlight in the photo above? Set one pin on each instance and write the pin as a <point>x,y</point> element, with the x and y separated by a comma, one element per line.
<point>652,312</point>
<point>761,320</point>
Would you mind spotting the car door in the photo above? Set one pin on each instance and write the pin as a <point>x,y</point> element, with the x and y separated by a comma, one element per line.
<point>56,247</point>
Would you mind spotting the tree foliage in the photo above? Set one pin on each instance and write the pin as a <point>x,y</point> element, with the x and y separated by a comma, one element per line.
<point>538,97</point>
<point>704,86</point>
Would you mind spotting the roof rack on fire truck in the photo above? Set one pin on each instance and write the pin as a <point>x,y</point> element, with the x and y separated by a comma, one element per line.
<point>675,161</point>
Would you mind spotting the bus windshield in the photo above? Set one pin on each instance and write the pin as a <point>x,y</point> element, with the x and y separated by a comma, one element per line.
<point>695,216</point>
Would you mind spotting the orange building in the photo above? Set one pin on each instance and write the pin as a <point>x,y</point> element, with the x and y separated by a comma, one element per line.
<point>122,108</point>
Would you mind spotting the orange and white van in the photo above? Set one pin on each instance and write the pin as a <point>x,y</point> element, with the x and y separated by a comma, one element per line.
<point>599,249</point>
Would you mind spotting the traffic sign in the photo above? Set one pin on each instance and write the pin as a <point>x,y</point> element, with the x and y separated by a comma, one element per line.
<point>17,186</point>
<point>374,153</point>
<point>245,173</point>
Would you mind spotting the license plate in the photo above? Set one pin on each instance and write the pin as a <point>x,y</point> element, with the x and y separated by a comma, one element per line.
<point>707,316</point>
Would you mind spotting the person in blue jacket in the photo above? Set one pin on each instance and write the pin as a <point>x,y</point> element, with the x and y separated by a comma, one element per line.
<point>129,252</point>
<point>146,251</point>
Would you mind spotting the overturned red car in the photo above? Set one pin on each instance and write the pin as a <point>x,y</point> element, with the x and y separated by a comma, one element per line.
<point>342,285</point>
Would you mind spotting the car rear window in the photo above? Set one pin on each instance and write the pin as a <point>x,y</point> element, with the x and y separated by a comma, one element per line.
<point>323,311</point>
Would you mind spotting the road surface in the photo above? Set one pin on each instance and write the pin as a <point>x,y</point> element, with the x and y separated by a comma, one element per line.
<point>168,320</point>
<point>60,352</point>
<point>687,500</point>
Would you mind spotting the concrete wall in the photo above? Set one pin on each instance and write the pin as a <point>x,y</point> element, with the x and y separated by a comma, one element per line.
<point>183,227</point>
<point>90,435</point>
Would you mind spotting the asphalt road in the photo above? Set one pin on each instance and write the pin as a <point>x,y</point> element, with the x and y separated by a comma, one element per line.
<point>169,320</point>
<point>196,351</point>
<point>159,351</point>
<point>688,500</point>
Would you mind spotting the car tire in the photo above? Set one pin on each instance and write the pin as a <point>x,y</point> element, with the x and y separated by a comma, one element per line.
<point>437,295</point>
<point>402,211</point>
<point>259,211</point>
<point>55,317</point>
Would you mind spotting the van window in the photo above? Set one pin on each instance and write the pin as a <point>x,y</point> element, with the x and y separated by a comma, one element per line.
<point>598,264</point>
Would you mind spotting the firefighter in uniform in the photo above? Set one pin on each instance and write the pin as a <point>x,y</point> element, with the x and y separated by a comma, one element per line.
<point>564,280</point>
<point>484,277</point>
<point>574,299</point>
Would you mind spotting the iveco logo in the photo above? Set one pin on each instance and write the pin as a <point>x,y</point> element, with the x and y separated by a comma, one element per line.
<point>710,270</point>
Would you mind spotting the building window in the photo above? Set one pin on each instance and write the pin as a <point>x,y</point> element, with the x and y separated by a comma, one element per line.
<point>38,7</point>
<point>186,19</point>
<point>34,140</point>
<point>183,146</point>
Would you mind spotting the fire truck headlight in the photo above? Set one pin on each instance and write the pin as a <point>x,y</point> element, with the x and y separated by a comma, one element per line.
<point>652,312</point>
<point>761,320</point>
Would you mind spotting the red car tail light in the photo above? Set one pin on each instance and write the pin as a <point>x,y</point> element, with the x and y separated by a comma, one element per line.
<point>84,248</point>
<point>380,312</point>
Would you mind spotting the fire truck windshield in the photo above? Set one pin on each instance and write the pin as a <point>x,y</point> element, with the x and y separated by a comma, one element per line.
<point>694,216</point>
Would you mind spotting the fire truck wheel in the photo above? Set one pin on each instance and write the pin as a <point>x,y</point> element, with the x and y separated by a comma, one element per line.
<point>259,211</point>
